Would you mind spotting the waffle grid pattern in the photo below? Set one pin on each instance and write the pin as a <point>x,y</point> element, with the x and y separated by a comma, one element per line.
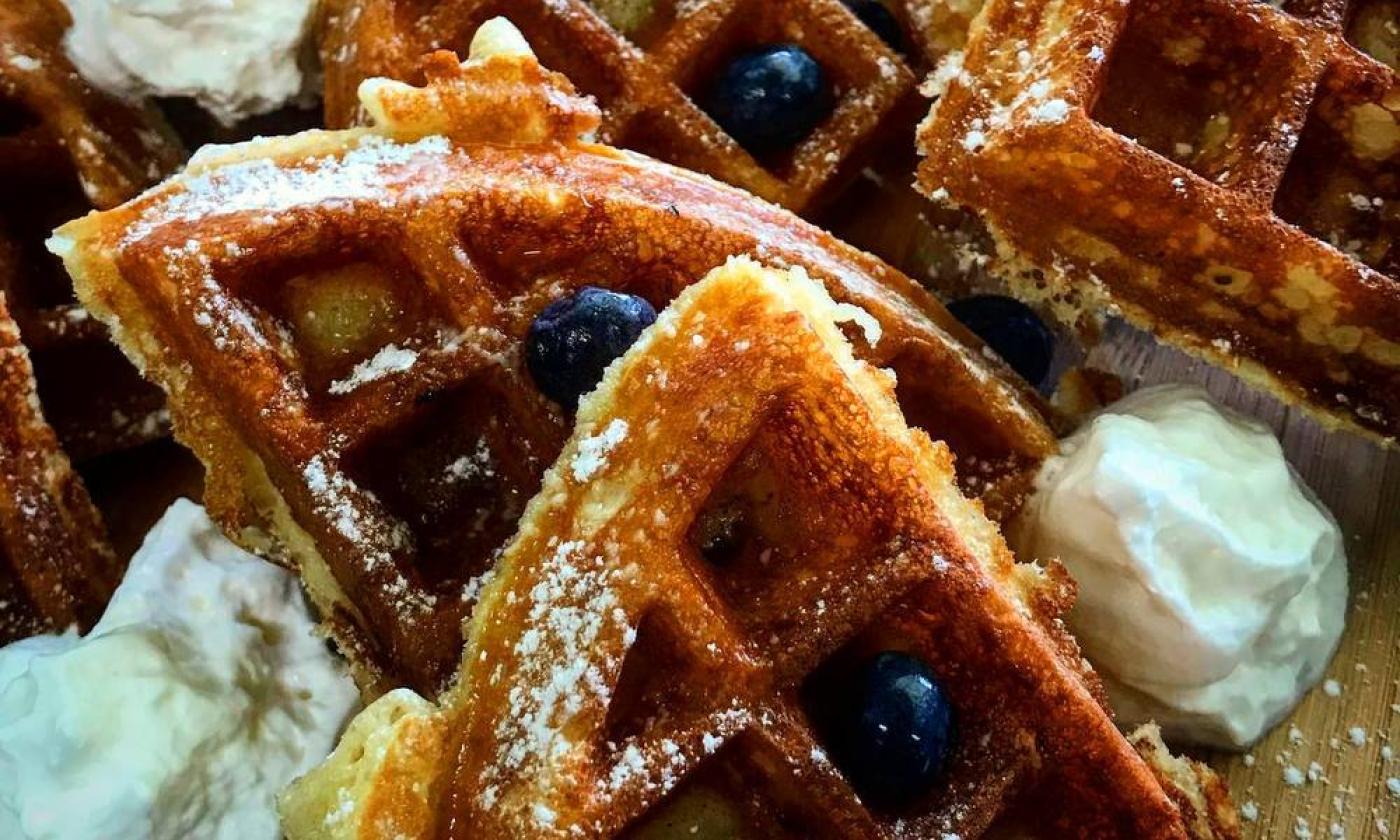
<point>436,387</point>
<point>321,304</point>
<point>647,85</point>
<point>707,654</point>
<point>1221,171</point>
<point>616,660</point>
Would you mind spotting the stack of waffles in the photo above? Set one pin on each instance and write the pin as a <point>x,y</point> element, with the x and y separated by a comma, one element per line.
<point>338,318</point>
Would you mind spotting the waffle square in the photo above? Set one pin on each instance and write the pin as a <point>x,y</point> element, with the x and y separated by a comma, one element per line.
<point>1222,173</point>
<point>612,659</point>
<point>647,72</point>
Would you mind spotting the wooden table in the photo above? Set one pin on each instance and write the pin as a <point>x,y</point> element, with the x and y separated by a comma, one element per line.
<point>1346,794</point>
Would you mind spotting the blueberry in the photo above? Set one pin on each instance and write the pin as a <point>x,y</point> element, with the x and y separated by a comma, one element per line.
<point>771,98</point>
<point>897,730</point>
<point>574,339</point>
<point>1012,329</point>
<point>878,17</point>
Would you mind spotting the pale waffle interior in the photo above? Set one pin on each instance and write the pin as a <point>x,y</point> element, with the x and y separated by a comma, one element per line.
<point>337,319</point>
<point>56,568</point>
<point>64,149</point>
<point>936,27</point>
<point>612,661</point>
<point>647,69</point>
<point>1221,172</point>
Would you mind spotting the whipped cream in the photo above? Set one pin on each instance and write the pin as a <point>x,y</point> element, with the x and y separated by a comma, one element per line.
<point>199,695</point>
<point>236,58</point>
<point>1212,586</point>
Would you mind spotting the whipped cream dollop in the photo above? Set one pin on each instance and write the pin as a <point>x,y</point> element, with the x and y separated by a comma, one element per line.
<point>1212,586</point>
<point>236,58</point>
<point>200,694</point>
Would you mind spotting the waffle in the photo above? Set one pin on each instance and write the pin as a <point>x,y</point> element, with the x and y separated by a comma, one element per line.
<point>338,316</point>
<point>65,148</point>
<point>936,27</point>
<point>612,658</point>
<point>56,568</point>
<point>1220,173</point>
<point>645,80</point>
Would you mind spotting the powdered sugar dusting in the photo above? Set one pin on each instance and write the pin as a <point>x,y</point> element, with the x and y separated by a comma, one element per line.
<point>390,359</point>
<point>25,63</point>
<point>663,763</point>
<point>362,172</point>
<point>345,506</point>
<point>593,451</point>
<point>1050,111</point>
<point>574,613</point>
<point>478,464</point>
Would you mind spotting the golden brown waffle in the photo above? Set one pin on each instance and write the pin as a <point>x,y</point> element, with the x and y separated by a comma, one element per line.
<point>1221,172</point>
<point>611,659</point>
<point>64,149</point>
<point>337,318</point>
<point>646,80</point>
<point>56,569</point>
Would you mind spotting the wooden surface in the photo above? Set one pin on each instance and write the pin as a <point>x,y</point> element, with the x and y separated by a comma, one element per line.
<point>1347,794</point>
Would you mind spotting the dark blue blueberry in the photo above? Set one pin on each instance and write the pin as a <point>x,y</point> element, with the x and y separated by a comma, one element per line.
<point>573,340</point>
<point>770,98</point>
<point>898,732</point>
<point>1012,329</point>
<point>878,17</point>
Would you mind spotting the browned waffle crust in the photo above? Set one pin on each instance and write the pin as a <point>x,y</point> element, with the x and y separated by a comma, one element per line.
<point>1221,172</point>
<point>646,78</point>
<point>337,318</point>
<point>611,660</point>
<point>64,149</point>
<point>56,569</point>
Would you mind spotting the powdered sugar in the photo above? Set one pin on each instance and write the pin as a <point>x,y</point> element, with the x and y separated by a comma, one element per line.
<point>390,359</point>
<point>950,68</point>
<point>345,506</point>
<point>592,455</point>
<point>478,464</point>
<point>266,185</point>
<point>574,612</point>
<point>25,63</point>
<point>1050,111</point>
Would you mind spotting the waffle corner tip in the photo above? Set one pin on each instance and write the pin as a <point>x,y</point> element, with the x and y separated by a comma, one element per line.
<point>499,93</point>
<point>376,781</point>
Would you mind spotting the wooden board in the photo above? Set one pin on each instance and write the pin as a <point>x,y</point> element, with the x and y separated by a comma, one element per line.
<point>1347,794</point>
